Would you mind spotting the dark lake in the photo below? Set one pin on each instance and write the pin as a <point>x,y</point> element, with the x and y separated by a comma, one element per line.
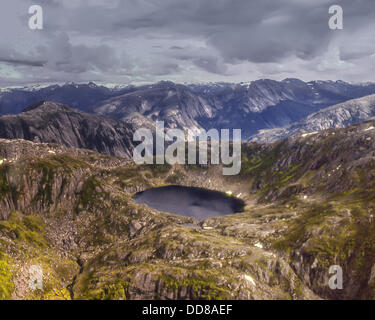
<point>198,203</point>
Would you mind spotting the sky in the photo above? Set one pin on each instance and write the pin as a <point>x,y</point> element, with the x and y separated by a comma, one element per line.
<point>186,41</point>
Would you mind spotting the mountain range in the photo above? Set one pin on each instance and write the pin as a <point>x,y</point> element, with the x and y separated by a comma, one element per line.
<point>254,106</point>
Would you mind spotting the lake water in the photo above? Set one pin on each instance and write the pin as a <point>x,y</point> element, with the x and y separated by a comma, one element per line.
<point>198,203</point>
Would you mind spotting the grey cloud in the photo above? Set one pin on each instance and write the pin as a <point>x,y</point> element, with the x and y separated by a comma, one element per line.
<point>64,56</point>
<point>163,69</point>
<point>192,39</point>
<point>23,62</point>
<point>258,31</point>
<point>210,64</point>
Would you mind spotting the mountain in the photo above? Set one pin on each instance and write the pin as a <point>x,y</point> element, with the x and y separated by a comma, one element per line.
<point>338,116</point>
<point>56,123</point>
<point>80,96</point>
<point>309,205</point>
<point>252,106</point>
<point>175,104</point>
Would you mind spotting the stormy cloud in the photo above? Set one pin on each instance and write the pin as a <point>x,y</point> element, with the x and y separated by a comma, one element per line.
<point>138,41</point>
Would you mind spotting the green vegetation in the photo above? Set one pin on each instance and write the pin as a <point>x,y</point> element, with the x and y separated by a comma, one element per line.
<point>91,189</point>
<point>23,228</point>
<point>4,185</point>
<point>158,170</point>
<point>6,283</point>
<point>48,169</point>
<point>202,284</point>
<point>176,177</point>
<point>107,291</point>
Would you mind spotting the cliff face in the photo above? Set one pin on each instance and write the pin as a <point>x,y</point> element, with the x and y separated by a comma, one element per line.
<point>56,123</point>
<point>310,205</point>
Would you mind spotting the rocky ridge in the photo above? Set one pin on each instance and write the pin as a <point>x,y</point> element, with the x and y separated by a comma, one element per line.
<point>53,122</point>
<point>338,116</point>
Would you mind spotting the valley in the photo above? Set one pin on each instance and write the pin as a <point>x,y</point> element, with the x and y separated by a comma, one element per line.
<point>309,204</point>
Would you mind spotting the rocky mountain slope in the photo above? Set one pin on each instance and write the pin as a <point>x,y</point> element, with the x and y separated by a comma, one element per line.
<point>174,104</point>
<point>56,123</point>
<point>253,106</point>
<point>338,116</point>
<point>309,205</point>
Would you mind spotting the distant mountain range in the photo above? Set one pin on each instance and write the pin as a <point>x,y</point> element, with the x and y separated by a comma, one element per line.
<point>80,96</point>
<point>253,106</point>
<point>56,123</point>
